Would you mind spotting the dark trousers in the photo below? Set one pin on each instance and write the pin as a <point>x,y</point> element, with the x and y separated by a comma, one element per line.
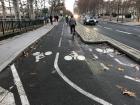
<point>72,28</point>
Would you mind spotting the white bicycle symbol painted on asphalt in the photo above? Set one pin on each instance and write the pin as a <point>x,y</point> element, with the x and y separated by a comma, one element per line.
<point>74,56</point>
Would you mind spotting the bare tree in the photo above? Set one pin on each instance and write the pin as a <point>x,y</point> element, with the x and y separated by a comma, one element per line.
<point>3,9</point>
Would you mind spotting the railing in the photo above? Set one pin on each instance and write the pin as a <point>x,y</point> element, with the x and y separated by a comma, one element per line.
<point>11,27</point>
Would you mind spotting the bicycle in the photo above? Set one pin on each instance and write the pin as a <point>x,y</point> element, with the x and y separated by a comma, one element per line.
<point>74,56</point>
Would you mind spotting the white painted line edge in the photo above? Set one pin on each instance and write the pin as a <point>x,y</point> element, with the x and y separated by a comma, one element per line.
<point>108,28</point>
<point>104,66</point>
<point>21,91</point>
<point>131,78</point>
<point>87,94</point>
<point>100,26</point>
<point>123,32</point>
<point>60,41</point>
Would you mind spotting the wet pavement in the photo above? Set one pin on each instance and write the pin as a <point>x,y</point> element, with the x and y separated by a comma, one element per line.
<point>57,70</point>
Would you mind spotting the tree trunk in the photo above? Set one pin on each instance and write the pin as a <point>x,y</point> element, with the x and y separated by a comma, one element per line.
<point>3,9</point>
<point>31,11</point>
<point>16,9</point>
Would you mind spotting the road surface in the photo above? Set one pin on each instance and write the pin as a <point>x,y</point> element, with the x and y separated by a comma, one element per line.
<point>57,70</point>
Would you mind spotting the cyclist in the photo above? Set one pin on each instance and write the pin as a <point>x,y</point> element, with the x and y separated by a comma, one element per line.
<point>72,23</point>
<point>67,19</point>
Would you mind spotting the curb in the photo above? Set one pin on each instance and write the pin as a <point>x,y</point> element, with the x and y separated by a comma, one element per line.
<point>130,52</point>
<point>19,52</point>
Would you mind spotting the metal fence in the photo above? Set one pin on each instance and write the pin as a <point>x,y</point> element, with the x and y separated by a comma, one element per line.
<point>11,27</point>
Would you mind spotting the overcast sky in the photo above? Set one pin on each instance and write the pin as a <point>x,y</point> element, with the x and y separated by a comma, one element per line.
<point>69,4</point>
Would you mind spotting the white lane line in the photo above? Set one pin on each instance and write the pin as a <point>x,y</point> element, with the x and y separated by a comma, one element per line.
<point>100,26</point>
<point>60,41</point>
<point>104,66</point>
<point>95,56</point>
<point>21,91</point>
<point>131,78</point>
<point>89,95</point>
<point>6,97</point>
<point>123,32</point>
<point>136,29</point>
<point>108,28</point>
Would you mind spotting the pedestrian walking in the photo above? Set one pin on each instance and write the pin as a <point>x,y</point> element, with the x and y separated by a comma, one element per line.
<point>67,19</point>
<point>57,18</point>
<point>51,20</point>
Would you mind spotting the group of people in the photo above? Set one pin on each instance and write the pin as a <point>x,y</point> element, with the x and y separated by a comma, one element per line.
<point>55,18</point>
<point>71,22</point>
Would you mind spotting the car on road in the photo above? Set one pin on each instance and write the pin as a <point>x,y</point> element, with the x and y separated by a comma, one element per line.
<point>89,21</point>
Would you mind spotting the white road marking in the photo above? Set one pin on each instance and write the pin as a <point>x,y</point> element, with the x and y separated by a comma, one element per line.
<point>100,26</point>
<point>123,32</point>
<point>48,53</point>
<point>131,78</point>
<point>60,41</point>
<point>90,49</point>
<point>95,56</point>
<point>105,50</point>
<point>108,28</point>
<point>129,65</point>
<point>76,87</point>
<point>104,66</point>
<point>136,29</point>
<point>111,55</point>
<point>68,58</point>
<point>18,83</point>
<point>6,97</point>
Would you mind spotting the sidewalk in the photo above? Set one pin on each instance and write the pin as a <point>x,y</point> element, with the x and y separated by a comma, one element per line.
<point>92,36</point>
<point>11,48</point>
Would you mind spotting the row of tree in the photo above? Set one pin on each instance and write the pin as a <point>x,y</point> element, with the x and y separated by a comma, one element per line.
<point>31,9</point>
<point>114,8</point>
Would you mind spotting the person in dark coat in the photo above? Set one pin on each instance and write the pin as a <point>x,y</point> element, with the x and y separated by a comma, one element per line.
<point>72,23</point>
<point>51,20</point>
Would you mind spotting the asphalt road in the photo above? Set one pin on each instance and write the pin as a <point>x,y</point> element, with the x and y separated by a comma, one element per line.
<point>129,35</point>
<point>57,70</point>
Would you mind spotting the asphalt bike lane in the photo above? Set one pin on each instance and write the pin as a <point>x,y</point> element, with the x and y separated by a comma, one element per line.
<point>36,79</point>
<point>114,71</point>
<point>26,74</point>
<point>99,73</point>
<point>76,72</point>
<point>57,70</point>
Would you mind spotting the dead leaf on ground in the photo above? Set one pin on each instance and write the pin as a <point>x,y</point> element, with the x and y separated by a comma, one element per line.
<point>120,69</point>
<point>129,93</point>
<point>126,92</point>
<point>109,65</point>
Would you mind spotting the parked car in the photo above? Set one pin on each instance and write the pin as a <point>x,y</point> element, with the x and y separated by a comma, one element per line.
<point>89,21</point>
